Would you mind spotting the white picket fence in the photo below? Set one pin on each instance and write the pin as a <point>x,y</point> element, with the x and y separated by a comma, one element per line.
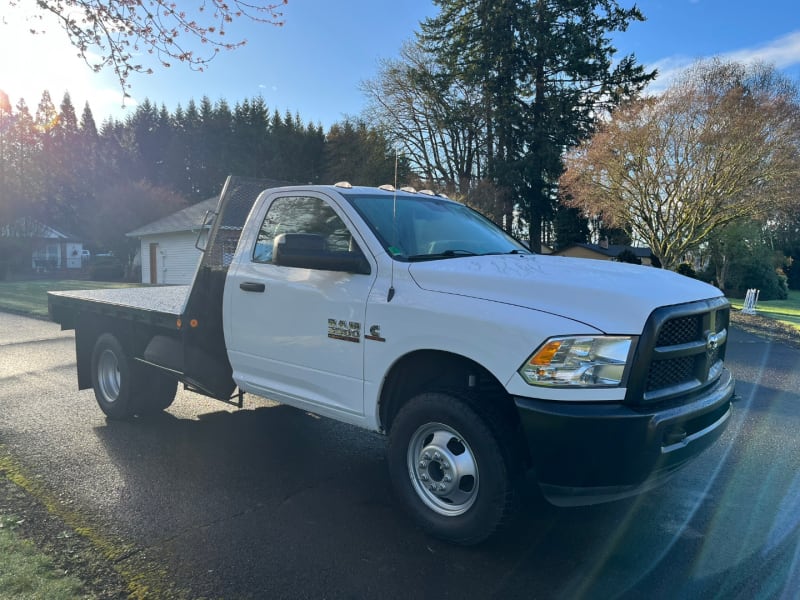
<point>750,302</point>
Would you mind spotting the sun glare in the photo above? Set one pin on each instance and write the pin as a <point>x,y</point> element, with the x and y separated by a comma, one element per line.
<point>47,61</point>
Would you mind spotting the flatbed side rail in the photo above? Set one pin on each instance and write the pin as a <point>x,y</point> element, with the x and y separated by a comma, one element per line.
<point>64,310</point>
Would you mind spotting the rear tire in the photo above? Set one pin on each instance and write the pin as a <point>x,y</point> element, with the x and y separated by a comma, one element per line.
<point>161,390</point>
<point>452,467</point>
<point>112,379</point>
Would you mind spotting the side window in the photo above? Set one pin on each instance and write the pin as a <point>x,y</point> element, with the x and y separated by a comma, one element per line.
<point>301,214</point>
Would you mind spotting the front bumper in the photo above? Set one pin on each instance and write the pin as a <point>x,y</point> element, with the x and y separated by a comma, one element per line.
<point>592,453</point>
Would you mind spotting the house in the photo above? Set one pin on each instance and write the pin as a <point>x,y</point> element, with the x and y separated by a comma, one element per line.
<point>49,249</point>
<point>168,251</point>
<point>167,247</point>
<point>604,251</point>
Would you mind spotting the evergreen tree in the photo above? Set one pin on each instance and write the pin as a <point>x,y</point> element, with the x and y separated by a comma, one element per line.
<point>67,119</point>
<point>546,68</point>
<point>250,127</point>
<point>6,166</point>
<point>570,227</point>
<point>99,184</point>
<point>145,146</point>
<point>361,155</point>
<point>190,130</point>
<point>219,146</point>
<point>86,163</point>
<point>312,155</point>
<point>68,188</point>
<point>88,126</point>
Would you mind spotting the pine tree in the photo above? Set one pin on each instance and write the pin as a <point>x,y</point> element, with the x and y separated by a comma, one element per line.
<point>361,155</point>
<point>546,68</point>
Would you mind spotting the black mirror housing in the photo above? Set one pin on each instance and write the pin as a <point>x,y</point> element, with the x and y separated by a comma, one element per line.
<point>309,251</point>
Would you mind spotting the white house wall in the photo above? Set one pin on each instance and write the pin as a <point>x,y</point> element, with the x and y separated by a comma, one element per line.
<point>176,257</point>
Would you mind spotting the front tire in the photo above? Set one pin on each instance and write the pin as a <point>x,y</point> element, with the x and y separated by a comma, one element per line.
<point>451,467</point>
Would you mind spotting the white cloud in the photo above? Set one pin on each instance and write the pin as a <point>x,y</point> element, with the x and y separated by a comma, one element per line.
<point>783,52</point>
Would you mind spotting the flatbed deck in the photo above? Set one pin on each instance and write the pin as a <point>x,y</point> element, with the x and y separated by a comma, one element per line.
<point>158,304</point>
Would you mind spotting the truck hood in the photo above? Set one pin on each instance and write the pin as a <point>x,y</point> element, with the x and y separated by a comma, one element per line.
<point>612,297</point>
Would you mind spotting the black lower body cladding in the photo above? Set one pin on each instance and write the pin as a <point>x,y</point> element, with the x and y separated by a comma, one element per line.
<point>589,453</point>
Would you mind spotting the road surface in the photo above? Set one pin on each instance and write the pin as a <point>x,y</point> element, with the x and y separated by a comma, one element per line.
<point>271,502</point>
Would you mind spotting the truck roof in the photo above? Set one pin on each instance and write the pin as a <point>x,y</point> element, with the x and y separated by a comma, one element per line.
<point>346,189</point>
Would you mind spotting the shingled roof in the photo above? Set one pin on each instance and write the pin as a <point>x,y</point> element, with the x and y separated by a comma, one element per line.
<point>188,219</point>
<point>611,250</point>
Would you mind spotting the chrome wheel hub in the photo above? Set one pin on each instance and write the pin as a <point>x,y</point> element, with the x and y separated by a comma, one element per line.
<point>108,376</point>
<point>443,469</point>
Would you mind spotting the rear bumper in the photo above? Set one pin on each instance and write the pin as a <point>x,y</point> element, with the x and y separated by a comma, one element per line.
<point>592,453</point>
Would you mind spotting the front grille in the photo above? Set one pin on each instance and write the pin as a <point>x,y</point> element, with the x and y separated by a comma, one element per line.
<point>666,373</point>
<point>680,351</point>
<point>681,330</point>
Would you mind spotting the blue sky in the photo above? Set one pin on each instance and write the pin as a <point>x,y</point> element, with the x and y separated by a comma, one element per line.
<point>314,63</point>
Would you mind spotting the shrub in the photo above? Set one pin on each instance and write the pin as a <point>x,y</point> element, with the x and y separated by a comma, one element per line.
<point>772,283</point>
<point>12,255</point>
<point>687,270</point>
<point>106,268</point>
<point>627,256</point>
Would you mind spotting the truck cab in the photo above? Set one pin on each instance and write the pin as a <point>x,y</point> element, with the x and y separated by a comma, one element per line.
<point>361,300</point>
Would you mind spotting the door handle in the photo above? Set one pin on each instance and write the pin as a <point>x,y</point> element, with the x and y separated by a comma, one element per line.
<point>252,286</point>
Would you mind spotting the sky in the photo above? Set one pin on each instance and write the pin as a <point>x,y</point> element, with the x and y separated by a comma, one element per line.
<point>314,64</point>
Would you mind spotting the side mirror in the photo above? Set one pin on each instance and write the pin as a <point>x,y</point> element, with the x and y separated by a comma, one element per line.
<point>308,251</point>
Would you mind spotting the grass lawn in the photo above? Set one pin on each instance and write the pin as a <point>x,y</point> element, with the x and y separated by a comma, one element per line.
<point>27,573</point>
<point>30,297</point>
<point>786,311</point>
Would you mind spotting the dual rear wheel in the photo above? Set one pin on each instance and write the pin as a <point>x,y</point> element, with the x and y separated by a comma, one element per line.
<point>124,388</point>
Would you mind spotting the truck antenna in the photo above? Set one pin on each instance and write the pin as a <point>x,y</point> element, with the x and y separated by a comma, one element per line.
<point>390,295</point>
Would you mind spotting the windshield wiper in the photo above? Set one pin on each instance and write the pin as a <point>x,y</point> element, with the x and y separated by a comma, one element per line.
<point>459,252</point>
<point>439,255</point>
<point>520,252</point>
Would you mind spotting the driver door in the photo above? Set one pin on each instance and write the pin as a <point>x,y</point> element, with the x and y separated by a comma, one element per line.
<point>296,334</point>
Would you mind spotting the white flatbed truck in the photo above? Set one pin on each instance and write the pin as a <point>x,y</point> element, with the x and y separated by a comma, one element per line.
<point>409,314</point>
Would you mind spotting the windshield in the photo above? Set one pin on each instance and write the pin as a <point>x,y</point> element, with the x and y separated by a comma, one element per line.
<point>429,228</point>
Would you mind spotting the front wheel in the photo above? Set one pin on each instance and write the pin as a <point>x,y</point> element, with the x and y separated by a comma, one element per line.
<point>451,467</point>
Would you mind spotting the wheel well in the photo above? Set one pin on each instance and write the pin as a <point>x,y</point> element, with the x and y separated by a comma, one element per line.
<point>431,370</point>
<point>90,327</point>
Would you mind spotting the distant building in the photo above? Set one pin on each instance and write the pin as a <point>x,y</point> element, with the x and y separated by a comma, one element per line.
<point>167,247</point>
<point>50,249</point>
<point>605,251</point>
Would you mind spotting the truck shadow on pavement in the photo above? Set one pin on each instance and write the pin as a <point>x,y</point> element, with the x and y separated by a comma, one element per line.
<point>267,493</point>
<point>273,501</point>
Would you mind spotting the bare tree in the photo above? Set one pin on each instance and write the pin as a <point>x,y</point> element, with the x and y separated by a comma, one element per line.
<point>118,30</point>
<point>437,124</point>
<point>720,145</point>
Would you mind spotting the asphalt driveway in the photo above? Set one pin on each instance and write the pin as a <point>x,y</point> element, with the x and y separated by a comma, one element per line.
<point>272,502</point>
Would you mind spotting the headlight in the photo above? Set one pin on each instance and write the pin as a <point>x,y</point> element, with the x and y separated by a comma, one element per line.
<point>582,361</point>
